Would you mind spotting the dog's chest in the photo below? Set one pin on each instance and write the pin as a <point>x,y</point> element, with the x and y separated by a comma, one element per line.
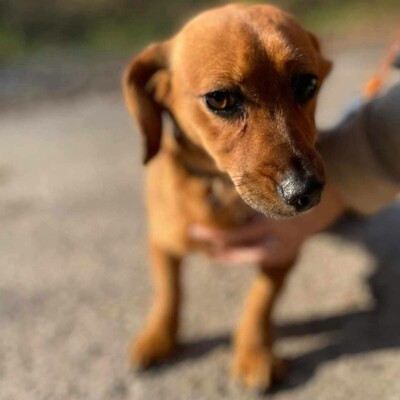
<point>177,199</point>
<point>182,197</point>
<point>223,202</point>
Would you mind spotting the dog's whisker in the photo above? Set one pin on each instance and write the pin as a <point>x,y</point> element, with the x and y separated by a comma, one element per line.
<point>239,183</point>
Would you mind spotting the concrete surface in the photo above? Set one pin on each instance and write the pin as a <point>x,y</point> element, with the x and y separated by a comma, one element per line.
<point>74,282</point>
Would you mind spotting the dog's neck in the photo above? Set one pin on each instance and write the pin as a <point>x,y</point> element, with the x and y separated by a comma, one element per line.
<point>221,194</point>
<point>194,159</point>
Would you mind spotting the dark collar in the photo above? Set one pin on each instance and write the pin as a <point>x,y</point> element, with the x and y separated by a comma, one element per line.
<point>188,151</point>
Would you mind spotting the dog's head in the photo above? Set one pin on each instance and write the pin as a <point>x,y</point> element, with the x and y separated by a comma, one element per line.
<point>241,82</point>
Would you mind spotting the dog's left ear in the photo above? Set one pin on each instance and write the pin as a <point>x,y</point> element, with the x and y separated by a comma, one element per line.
<point>142,94</point>
<point>325,64</point>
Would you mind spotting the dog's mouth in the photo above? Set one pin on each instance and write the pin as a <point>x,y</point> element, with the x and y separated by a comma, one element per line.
<point>264,205</point>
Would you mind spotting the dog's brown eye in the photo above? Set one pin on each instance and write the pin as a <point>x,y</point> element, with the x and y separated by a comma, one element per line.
<point>304,87</point>
<point>221,101</point>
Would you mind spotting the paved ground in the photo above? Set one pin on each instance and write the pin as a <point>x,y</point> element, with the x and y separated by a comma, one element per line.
<point>74,282</point>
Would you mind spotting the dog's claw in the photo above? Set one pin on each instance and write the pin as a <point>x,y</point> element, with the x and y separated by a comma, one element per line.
<point>258,369</point>
<point>149,348</point>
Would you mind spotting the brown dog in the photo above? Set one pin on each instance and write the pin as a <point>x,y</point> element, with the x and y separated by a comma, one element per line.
<point>239,84</point>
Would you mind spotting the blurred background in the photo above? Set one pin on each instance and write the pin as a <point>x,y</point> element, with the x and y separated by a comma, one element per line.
<point>74,275</point>
<point>59,48</point>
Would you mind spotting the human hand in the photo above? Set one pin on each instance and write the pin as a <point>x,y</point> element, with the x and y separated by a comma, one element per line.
<point>262,240</point>
<point>269,241</point>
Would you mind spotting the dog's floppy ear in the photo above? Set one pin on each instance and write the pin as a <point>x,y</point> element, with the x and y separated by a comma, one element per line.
<point>325,64</point>
<point>141,95</point>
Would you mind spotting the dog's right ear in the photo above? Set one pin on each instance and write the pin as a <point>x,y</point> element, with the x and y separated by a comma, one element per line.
<point>141,95</point>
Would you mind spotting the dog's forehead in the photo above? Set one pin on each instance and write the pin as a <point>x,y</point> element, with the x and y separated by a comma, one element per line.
<point>228,43</point>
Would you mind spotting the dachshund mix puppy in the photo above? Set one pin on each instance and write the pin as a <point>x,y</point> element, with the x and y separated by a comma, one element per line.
<point>239,86</point>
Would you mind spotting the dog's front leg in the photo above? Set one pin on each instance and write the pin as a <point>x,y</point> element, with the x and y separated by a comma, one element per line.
<point>254,364</point>
<point>158,339</point>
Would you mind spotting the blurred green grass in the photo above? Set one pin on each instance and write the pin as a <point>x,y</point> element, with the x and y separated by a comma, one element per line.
<point>30,26</point>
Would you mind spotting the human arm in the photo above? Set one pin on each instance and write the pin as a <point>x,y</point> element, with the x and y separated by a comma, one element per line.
<point>362,154</point>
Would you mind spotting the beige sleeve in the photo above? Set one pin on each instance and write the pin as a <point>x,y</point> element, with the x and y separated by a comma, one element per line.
<point>362,154</point>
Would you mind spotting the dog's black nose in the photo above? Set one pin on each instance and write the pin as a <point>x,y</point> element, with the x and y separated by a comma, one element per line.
<point>300,192</point>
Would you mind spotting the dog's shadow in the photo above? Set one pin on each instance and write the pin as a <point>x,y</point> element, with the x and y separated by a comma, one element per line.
<point>191,350</point>
<point>364,331</point>
<point>349,333</point>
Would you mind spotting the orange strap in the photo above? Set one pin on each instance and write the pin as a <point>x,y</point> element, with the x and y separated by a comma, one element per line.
<point>373,86</point>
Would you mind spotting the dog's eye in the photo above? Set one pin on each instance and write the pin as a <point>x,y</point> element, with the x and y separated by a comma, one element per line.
<point>221,101</point>
<point>304,87</point>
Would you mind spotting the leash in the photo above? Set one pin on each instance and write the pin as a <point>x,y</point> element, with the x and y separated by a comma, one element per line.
<point>392,59</point>
<point>375,84</point>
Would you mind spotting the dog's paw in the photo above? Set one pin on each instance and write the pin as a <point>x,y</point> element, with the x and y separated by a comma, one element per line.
<point>258,369</point>
<point>151,347</point>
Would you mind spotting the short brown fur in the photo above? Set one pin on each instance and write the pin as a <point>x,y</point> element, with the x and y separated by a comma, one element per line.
<point>203,174</point>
